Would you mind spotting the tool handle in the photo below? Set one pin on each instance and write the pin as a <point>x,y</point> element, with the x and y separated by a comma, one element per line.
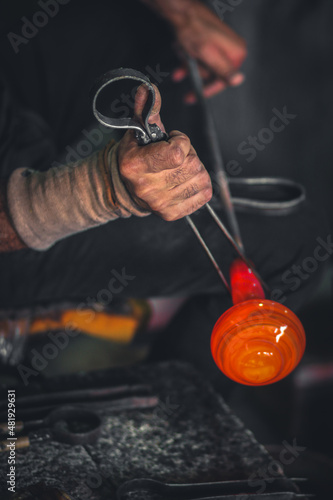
<point>145,132</point>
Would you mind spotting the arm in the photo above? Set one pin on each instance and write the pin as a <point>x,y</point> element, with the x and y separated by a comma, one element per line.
<point>121,180</point>
<point>9,239</point>
<point>201,34</point>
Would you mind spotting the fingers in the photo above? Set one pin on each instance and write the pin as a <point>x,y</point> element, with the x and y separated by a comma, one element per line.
<point>208,91</point>
<point>187,207</point>
<point>233,80</point>
<point>231,45</point>
<point>173,197</point>
<point>179,74</point>
<point>214,85</point>
<point>167,177</point>
<point>141,97</point>
<point>180,175</point>
<point>217,48</point>
<point>216,60</point>
<point>170,154</point>
<point>154,157</point>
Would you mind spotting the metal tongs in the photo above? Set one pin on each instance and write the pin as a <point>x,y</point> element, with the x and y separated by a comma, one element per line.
<point>147,133</point>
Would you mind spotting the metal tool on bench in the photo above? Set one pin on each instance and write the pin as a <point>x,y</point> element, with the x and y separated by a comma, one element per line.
<point>70,425</point>
<point>110,393</point>
<point>131,403</point>
<point>276,489</point>
<point>52,410</point>
<point>266,360</point>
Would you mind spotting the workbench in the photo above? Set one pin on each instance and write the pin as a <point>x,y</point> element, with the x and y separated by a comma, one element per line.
<point>190,436</point>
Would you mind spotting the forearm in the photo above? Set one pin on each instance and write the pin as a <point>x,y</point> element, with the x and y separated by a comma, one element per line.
<point>9,239</point>
<point>46,207</point>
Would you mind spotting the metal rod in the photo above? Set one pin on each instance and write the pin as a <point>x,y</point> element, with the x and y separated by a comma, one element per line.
<point>208,252</point>
<point>234,237</point>
<point>234,245</point>
<point>224,230</point>
<point>221,177</point>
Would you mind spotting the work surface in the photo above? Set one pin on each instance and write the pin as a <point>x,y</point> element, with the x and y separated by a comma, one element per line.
<point>190,436</point>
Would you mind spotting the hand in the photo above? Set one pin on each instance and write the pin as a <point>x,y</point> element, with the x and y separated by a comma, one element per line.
<point>217,48</point>
<point>199,32</point>
<point>166,177</point>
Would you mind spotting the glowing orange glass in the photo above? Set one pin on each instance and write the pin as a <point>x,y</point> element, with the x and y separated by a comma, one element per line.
<point>257,341</point>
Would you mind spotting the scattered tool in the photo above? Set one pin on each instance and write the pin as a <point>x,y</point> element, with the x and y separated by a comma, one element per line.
<point>79,395</point>
<point>59,419</point>
<point>70,425</point>
<point>103,408</point>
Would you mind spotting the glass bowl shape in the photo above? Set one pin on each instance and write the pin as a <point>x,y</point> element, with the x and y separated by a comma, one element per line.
<point>257,342</point>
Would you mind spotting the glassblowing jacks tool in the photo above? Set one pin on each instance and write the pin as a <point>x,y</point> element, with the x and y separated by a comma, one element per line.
<point>147,133</point>
<point>257,341</point>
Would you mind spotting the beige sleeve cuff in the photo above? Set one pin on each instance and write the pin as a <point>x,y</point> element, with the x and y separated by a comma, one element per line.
<point>46,207</point>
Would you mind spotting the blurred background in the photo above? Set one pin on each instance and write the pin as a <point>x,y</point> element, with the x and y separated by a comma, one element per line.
<point>289,64</point>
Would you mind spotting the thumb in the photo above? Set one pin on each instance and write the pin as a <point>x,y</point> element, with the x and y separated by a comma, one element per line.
<point>141,97</point>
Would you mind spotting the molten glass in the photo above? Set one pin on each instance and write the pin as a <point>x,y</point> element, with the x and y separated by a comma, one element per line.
<point>257,341</point>
<point>244,284</point>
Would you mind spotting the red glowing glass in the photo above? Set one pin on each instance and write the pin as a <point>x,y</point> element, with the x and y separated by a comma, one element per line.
<point>257,341</point>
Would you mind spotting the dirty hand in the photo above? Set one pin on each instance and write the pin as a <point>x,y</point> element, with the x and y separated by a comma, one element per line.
<point>165,177</point>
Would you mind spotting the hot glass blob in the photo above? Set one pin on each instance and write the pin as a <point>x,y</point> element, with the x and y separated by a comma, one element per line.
<point>257,341</point>
<point>244,284</point>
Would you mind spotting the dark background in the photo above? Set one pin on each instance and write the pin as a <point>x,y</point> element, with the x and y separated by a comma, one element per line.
<point>289,63</point>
